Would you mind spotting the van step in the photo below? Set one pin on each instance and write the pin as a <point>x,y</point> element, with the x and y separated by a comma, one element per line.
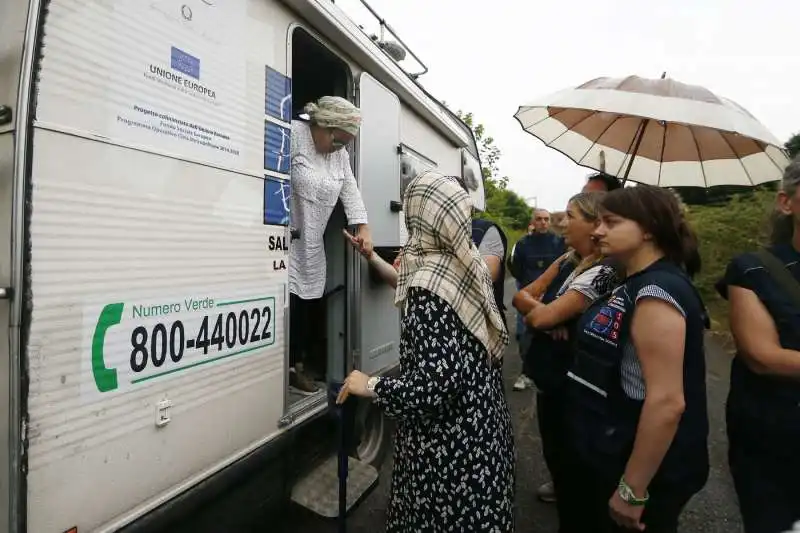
<point>318,491</point>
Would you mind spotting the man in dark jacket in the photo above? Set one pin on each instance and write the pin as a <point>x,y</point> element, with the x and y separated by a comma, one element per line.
<point>530,257</point>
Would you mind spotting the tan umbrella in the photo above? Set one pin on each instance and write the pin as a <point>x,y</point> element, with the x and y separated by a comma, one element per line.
<point>656,131</point>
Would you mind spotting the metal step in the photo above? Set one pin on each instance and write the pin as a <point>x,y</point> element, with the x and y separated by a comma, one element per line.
<point>318,491</point>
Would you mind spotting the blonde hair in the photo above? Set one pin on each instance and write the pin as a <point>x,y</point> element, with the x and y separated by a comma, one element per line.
<point>588,204</point>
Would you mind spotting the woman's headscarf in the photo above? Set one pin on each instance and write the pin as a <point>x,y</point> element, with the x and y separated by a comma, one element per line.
<point>440,256</point>
<point>335,112</point>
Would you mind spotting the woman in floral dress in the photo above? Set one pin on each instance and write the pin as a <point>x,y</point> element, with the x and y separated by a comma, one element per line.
<point>454,448</point>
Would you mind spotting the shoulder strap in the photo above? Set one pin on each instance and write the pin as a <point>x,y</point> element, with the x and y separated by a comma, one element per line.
<point>780,274</point>
<point>479,227</point>
<point>503,238</point>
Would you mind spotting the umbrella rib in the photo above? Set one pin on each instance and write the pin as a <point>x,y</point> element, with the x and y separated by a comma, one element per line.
<point>663,147</point>
<point>549,116</point>
<point>780,168</point>
<point>557,137</point>
<point>699,156</point>
<point>594,142</point>
<point>738,158</point>
<point>562,152</point>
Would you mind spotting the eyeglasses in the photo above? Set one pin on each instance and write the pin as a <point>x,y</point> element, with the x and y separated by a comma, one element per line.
<point>337,144</point>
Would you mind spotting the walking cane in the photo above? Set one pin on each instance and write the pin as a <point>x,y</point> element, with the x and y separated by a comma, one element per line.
<point>343,413</point>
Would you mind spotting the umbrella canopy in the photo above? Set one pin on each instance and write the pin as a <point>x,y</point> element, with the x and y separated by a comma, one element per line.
<point>656,131</point>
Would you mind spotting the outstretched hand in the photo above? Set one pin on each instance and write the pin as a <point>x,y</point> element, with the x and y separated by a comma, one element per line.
<point>358,243</point>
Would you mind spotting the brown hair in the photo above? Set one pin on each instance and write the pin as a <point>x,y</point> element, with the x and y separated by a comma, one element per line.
<point>658,212</point>
<point>782,226</point>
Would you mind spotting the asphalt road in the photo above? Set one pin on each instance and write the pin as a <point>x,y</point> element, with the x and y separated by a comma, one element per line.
<point>714,510</point>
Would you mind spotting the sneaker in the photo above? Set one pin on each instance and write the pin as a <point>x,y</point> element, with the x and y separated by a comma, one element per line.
<point>547,493</point>
<point>301,384</point>
<point>523,382</point>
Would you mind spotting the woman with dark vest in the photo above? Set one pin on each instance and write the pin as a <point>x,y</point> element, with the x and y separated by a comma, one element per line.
<point>636,408</point>
<point>581,279</point>
<point>763,408</point>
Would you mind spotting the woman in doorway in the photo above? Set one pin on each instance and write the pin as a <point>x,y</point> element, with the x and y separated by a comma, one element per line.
<point>636,415</point>
<point>580,280</point>
<point>321,175</point>
<point>454,448</point>
<point>763,411</point>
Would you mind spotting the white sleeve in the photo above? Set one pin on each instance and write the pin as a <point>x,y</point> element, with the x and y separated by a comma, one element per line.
<point>492,244</point>
<point>594,282</point>
<point>350,195</point>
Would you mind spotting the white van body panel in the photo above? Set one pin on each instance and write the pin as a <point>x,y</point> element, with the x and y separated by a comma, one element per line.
<point>158,151</point>
<point>147,217</point>
<point>417,135</point>
<point>103,236</point>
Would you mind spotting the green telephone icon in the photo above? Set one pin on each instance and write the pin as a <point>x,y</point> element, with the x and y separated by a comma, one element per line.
<point>104,378</point>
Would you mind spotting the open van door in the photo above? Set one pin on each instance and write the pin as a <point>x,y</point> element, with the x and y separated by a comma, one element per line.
<point>378,326</point>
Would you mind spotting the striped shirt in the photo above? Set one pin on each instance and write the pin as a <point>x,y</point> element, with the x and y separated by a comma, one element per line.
<point>631,375</point>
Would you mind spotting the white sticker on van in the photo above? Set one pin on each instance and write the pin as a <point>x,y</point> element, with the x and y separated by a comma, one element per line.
<point>129,344</point>
<point>172,75</point>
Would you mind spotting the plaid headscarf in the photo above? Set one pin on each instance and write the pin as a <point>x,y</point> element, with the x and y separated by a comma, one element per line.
<point>335,112</point>
<point>440,256</point>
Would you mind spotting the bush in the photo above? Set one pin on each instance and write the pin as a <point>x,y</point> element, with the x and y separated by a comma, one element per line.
<point>724,231</point>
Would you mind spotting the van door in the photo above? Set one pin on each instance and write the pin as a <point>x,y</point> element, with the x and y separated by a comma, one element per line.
<point>378,324</point>
<point>8,377</point>
<point>13,19</point>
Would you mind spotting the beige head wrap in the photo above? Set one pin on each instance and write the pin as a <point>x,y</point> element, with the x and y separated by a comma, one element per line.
<point>335,112</point>
<point>440,256</point>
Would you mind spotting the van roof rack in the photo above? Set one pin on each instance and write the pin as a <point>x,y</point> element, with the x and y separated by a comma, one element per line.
<point>395,49</point>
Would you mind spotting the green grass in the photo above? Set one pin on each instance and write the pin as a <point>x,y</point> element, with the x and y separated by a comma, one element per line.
<point>725,231</point>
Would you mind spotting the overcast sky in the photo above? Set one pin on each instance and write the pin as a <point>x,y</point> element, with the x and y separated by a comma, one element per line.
<point>491,57</point>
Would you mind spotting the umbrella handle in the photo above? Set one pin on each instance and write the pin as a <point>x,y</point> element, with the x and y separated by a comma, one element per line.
<point>636,143</point>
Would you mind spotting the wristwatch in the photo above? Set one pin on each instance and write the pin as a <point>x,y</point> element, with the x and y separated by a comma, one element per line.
<point>628,496</point>
<point>371,382</point>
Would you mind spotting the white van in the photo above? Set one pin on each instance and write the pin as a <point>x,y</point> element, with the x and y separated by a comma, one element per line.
<point>144,185</point>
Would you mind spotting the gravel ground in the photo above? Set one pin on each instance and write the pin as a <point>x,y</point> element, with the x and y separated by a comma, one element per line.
<point>714,510</point>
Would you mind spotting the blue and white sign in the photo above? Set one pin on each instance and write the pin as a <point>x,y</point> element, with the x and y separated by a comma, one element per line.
<point>277,198</point>
<point>278,101</point>
<point>277,148</point>
<point>185,63</point>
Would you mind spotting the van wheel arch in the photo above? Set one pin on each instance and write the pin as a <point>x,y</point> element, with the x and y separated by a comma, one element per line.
<point>374,434</point>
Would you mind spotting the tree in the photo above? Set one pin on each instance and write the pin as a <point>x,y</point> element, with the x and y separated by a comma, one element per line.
<point>503,206</point>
